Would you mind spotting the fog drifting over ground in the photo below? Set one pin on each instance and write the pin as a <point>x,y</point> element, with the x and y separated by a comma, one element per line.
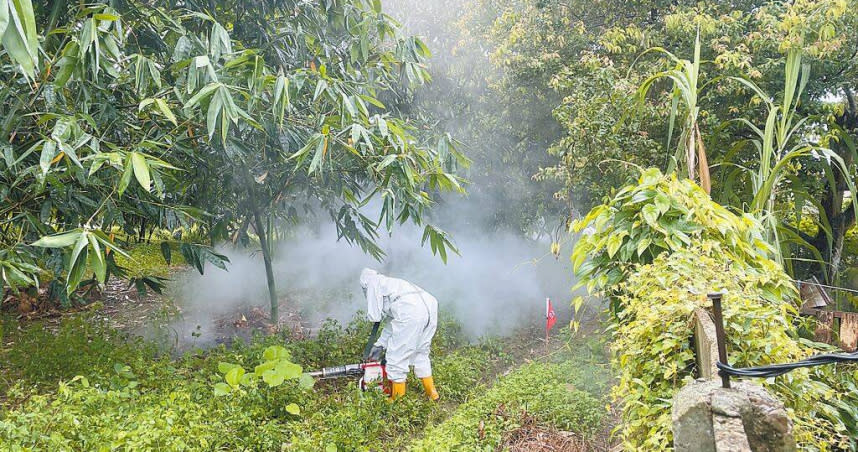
<point>499,281</point>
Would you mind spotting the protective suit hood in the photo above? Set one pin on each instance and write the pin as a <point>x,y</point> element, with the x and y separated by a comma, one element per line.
<point>367,275</point>
<point>373,285</point>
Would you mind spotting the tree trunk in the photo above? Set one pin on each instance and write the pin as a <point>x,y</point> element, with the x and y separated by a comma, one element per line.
<point>141,233</point>
<point>269,269</point>
<point>832,253</point>
<point>832,201</point>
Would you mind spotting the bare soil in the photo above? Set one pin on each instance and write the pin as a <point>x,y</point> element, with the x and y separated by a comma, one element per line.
<point>534,437</point>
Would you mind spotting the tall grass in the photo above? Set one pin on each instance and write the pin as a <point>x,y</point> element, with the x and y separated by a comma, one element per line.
<point>779,144</point>
<point>686,77</point>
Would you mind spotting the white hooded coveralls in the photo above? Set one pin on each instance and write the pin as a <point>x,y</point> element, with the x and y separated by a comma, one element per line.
<point>413,315</point>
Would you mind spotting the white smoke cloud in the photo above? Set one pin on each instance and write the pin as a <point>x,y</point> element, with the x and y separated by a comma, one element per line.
<point>499,281</point>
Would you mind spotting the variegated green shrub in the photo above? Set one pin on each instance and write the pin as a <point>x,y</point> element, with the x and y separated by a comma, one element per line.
<point>657,249</point>
<point>659,214</point>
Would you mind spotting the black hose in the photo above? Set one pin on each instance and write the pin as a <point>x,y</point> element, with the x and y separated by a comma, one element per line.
<point>775,370</point>
<point>369,343</point>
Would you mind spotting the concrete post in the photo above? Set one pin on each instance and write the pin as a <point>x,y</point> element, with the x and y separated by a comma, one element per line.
<point>745,418</point>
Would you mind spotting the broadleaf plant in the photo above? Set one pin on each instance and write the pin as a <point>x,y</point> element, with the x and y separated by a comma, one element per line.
<point>275,369</point>
<point>238,119</point>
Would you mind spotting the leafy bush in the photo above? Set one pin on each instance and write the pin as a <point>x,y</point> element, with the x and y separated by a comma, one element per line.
<point>655,358</point>
<point>675,245</point>
<point>275,369</point>
<point>659,214</point>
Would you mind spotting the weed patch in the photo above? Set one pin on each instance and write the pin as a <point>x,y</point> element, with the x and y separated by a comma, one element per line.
<point>147,259</point>
<point>550,394</point>
<point>87,387</point>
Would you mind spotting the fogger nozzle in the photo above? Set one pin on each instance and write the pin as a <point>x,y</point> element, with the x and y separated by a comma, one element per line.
<point>348,370</point>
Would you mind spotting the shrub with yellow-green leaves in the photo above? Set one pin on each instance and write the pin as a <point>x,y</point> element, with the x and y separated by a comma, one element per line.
<point>657,249</point>
<point>659,214</point>
<point>654,355</point>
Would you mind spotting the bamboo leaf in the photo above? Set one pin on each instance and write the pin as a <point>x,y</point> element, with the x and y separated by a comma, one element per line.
<point>19,36</point>
<point>203,93</point>
<point>49,151</point>
<point>4,16</point>
<point>321,147</point>
<point>167,252</point>
<point>77,263</point>
<point>97,259</point>
<point>141,170</point>
<point>126,176</point>
<point>108,244</point>
<point>60,240</point>
<point>372,101</point>
<point>165,110</point>
<point>306,149</point>
<point>321,87</point>
<point>215,110</point>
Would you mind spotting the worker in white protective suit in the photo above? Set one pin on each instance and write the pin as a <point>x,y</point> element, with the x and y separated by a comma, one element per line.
<point>413,315</point>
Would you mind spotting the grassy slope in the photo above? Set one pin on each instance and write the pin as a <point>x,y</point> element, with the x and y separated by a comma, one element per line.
<point>566,392</point>
<point>146,259</point>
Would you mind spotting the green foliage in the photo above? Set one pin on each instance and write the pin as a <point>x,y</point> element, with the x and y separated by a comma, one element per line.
<point>81,345</point>
<point>18,269</point>
<point>685,76</point>
<point>86,254</point>
<point>455,370</point>
<point>132,398</point>
<point>600,69</point>
<point>780,144</point>
<point>282,103</point>
<point>849,277</point>
<point>548,391</point>
<point>275,369</point>
<point>652,348</point>
<point>660,214</point>
<point>147,259</point>
<point>656,292</point>
<point>599,151</point>
<point>168,410</point>
<point>18,33</point>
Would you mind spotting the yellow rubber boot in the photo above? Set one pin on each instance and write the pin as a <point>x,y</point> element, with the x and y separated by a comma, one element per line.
<point>397,390</point>
<point>429,387</point>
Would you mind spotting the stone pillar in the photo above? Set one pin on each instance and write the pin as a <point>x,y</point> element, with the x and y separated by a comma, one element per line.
<point>709,418</point>
<point>705,344</point>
